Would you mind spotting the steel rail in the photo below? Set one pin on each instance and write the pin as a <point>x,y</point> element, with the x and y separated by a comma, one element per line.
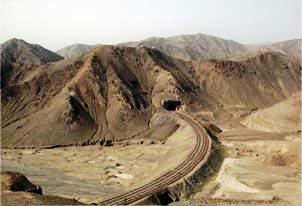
<point>200,151</point>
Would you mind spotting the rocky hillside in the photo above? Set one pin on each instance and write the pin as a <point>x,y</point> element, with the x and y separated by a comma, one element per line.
<point>259,81</point>
<point>112,92</point>
<point>74,51</point>
<point>17,52</point>
<point>106,95</point>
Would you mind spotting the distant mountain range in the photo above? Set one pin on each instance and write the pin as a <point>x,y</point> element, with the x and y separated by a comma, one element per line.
<point>291,48</point>
<point>197,47</point>
<point>75,50</point>
<point>194,47</point>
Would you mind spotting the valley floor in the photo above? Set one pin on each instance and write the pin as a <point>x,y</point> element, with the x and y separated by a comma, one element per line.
<point>91,174</point>
<point>259,168</point>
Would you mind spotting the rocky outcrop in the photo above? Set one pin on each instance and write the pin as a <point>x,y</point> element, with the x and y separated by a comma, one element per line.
<point>17,190</point>
<point>15,181</point>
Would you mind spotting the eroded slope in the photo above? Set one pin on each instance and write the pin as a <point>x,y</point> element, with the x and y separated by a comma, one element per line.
<point>111,93</point>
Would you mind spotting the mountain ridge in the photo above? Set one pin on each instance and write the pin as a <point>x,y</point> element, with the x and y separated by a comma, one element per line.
<point>189,47</point>
<point>75,50</point>
<point>17,52</point>
<point>111,93</point>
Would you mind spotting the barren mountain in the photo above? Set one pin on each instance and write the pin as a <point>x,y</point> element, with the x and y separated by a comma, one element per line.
<point>74,51</point>
<point>187,47</point>
<point>112,92</point>
<point>106,95</point>
<point>258,81</point>
<point>198,47</point>
<point>19,51</point>
<point>292,48</point>
<point>16,53</point>
<point>193,47</point>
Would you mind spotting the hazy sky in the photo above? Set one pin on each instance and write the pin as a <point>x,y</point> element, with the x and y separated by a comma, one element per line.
<point>58,23</point>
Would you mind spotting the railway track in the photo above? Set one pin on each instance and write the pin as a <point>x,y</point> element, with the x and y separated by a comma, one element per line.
<point>196,158</point>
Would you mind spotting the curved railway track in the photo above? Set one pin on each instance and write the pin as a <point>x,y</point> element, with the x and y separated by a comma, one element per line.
<point>196,158</point>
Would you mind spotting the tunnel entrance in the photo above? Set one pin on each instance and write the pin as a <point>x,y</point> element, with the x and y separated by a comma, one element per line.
<point>164,198</point>
<point>171,105</point>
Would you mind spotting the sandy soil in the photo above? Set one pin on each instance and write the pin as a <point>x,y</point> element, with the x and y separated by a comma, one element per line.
<point>281,117</point>
<point>264,169</point>
<point>91,174</point>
